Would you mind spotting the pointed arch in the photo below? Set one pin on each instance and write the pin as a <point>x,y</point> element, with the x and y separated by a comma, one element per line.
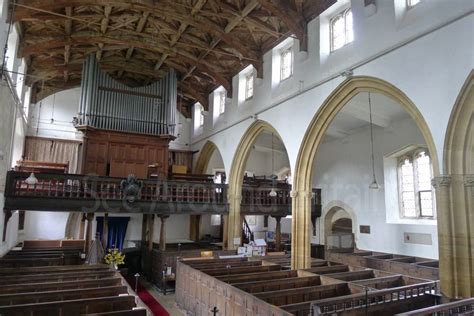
<point>236,177</point>
<point>455,192</point>
<point>301,207</point>
<point>205,155</point>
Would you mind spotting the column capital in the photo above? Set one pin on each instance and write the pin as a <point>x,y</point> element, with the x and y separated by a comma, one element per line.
<point>293,193</point>
<point>162,217</point>
<point>90,216</point>
<point>441,181</point>
<point>469,180</point>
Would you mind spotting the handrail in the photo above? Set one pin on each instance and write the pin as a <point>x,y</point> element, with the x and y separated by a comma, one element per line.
<point>452,308</point>
<point>361,300</point>
<point>74,186</point>
<point>247,232</point>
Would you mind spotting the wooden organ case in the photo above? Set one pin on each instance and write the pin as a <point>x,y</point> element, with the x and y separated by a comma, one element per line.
<point>127,130</point>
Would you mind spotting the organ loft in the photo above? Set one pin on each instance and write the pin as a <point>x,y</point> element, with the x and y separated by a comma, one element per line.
<point>242,157</point>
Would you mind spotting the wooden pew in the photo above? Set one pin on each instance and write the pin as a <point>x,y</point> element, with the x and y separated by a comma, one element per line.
<point>278,284</point>
<point>299,295</point>
<point>59,285</point>
<point>71,307</point>
<point>56,277</point>
<point>52,269</point>
<point>461,307</point>
<point>30,262</point>
<point>231,279</point>
<point>61,295</point>
<point>240,270</point>
<point>328,269</point>
<point>134,312</point>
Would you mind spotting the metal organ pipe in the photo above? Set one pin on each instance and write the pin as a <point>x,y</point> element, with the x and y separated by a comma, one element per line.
<point>107,104</point>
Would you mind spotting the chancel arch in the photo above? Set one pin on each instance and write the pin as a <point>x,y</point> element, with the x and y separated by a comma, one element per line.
<point>314,136</point>
<point>455,194</point>
<point>237,172</point>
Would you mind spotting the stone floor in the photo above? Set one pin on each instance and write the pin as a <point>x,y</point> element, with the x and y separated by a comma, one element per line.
<point>167,301</point>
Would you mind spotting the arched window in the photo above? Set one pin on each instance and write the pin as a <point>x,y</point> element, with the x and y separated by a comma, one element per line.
<point>342,32</point>
<point>416,195</point>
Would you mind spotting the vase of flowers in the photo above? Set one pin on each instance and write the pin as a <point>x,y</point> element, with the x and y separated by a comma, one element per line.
<point>114,257</point>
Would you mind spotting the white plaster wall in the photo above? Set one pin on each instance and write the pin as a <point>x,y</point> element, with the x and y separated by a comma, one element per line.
<point>61,107</point>
<point>45,225</point>
<point>343,171</point>
<point>402,55</point>
<point>9,110</point>
<point>177,229</point>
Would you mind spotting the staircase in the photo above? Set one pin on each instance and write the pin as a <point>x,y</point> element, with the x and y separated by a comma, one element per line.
<point>247,234</point>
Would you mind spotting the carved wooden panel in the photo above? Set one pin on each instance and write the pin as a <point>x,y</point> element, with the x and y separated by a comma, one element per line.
<point>120,154</point>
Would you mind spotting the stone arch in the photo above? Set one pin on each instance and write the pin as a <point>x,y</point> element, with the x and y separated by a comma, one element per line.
<point>72,225</point>
<point>236,177</point>
<point>301,208</point>
<point>331,209</point>
<point>455,197</point>
<point>204,157</point>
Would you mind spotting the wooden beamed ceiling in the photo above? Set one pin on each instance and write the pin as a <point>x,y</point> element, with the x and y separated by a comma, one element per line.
<point>207,42</point>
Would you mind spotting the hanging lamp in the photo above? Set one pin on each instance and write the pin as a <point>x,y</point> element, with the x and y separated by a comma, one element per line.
<point>373,185</point>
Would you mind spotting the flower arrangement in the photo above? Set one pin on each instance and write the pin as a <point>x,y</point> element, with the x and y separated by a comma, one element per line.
<point>115,257</point>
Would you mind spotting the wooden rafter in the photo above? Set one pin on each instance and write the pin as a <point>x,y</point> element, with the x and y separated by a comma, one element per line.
<point>136,41</point>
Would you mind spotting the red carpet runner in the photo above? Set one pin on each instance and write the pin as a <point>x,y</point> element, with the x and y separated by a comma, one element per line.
<point>147,298</point>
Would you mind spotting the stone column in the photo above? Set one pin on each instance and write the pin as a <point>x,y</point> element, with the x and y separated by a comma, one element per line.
<point>442,186</point>
<point>8,214</point>
<point>234,226</point>
<point>163,233</point>
<point>105,232</point>
<point>301,229</point>
<point>90,218</point>
<point>278,233</point>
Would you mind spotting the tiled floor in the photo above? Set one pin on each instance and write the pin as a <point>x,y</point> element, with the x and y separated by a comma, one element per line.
<point>167,301</point>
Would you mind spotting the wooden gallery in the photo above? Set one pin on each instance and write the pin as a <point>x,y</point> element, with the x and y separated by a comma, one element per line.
<point>237,157</point>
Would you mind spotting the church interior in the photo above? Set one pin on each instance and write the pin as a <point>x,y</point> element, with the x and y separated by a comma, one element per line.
<point>237,157</point>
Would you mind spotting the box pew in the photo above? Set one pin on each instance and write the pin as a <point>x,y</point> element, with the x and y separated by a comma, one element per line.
<point>61,285</point>
<point>462,307</point>
<point>61,295</point>
<point>278,284</point>
<point>240,270</point>
<point>203,267</point>
<point>390,281</point>
<point>358,275</point>
<point>205,261</point>
<point>329,269</point>
<point>72,307</point>
<point>53,269</point>
<point>298,309</point>
<point>64,259</point>
<point>56,277</point>
<point>393,299</point>
<point>299,295</point>
<point>232,279</point>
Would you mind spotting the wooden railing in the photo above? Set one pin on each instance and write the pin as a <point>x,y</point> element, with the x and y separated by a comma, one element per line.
<point>89,193</point>
<point>462,307</point>
<point>372,298</point>
<point>108,190</point>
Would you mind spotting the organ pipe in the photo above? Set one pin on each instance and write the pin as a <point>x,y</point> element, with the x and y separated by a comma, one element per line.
<point>108,104</point>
